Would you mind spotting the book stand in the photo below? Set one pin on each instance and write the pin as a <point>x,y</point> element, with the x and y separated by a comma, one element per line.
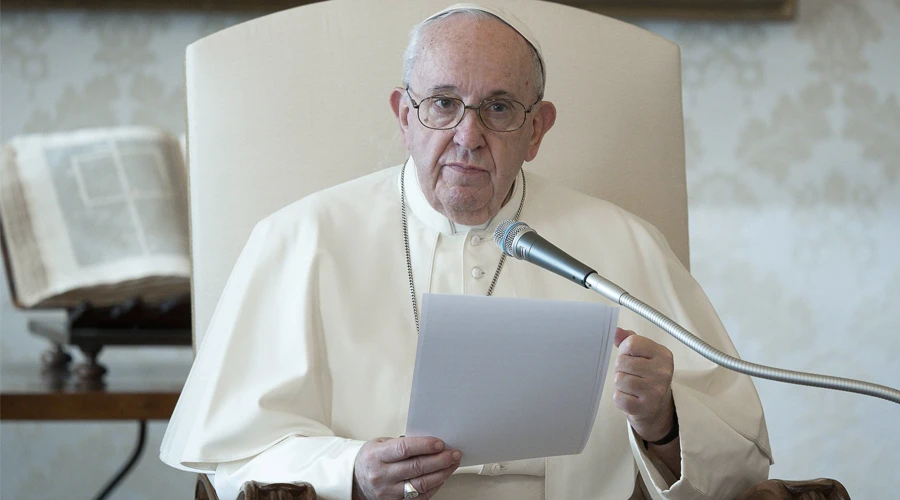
<point>90,329</point>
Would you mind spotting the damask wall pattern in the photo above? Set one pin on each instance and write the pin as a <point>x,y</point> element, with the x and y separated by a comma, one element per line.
<point>793,148</point>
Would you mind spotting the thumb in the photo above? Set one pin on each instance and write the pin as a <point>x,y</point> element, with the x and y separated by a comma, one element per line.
<point>621,335</point>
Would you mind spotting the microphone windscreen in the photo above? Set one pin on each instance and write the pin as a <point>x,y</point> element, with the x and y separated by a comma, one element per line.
<point>505,235</point>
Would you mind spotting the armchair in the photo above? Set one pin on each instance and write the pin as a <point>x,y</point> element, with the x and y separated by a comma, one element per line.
<point>268,103</point>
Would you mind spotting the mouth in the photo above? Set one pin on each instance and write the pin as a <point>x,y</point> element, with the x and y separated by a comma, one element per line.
<point>465,168</point>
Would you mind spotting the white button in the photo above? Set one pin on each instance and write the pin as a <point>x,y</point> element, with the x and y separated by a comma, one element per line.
<point>476,240</point>
<point>477,273</point>
<point>497,468</point>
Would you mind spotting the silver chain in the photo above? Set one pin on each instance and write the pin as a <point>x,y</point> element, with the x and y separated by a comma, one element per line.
<point>405,223</point>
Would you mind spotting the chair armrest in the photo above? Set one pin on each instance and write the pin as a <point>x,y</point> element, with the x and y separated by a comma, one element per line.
<point>252,490</point>
<point>773,489</point>
<point>204,490</point>
<point>816,489</point>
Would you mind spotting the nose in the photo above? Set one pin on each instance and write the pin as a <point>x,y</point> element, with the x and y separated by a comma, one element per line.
<point>469,134</point>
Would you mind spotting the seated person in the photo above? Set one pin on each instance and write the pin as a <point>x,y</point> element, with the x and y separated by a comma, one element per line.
<point>306,369</point>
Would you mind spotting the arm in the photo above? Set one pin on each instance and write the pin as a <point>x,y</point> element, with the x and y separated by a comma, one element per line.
<point>716,460</point>
<point>325,462</point>
<point>257,404</point>
<point>723,446</point>
<point>343,469</point>
<point>644,371</point>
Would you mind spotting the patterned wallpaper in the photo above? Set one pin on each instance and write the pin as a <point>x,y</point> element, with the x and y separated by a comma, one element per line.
<point>793,142</point>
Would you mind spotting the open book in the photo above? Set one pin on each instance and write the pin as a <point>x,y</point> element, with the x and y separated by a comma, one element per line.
<point>95,215</point>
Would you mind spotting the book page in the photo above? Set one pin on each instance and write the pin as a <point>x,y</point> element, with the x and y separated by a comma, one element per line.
<point>95,208</point>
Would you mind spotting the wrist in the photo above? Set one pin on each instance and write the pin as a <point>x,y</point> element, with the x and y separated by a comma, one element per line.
<point>658,426</point>
<point>671,434</point>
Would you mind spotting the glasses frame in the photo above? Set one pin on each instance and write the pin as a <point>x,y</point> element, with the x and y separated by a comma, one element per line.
<point>473,107</point>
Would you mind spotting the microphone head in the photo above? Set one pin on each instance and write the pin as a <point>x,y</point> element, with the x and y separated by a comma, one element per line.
<point>506,234</point>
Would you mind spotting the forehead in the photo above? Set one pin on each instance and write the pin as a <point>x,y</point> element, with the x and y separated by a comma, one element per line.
<point>473,57</point>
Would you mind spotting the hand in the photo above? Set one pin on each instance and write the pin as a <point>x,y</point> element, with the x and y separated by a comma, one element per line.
<point>644,384</point>
<point>384,464</point>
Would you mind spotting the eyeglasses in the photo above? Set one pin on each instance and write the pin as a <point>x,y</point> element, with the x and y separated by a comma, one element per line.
<point>497,114</point>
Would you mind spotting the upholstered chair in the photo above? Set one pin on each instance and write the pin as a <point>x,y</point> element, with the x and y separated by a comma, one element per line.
<point>288,104</point>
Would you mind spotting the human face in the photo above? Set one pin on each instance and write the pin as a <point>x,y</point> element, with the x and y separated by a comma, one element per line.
<point>466,173</point>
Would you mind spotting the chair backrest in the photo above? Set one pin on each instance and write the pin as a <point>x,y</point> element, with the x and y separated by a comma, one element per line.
<point>297,101</point>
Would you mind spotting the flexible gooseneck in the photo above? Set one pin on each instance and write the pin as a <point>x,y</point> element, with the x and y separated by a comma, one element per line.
<point>518,240</point>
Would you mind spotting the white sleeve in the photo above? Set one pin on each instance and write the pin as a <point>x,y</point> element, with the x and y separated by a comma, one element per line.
<point>709,446</point>
<point>325,462</point>
<point>724,441</point>
<point>257,403</point>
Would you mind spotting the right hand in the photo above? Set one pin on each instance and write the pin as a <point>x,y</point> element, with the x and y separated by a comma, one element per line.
<point>384,464</point>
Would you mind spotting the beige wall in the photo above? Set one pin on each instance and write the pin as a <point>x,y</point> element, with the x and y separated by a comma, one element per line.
<point>793,141</point>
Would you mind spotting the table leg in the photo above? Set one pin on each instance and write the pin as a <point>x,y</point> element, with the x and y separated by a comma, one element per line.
<point>56,358</point>
<point>90,373</point>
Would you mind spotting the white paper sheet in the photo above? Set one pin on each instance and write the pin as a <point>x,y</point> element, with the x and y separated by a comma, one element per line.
<point>505,379</point>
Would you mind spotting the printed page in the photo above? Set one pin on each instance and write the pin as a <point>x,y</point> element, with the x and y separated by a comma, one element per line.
<point>508,379</point>
<point>105,206</point>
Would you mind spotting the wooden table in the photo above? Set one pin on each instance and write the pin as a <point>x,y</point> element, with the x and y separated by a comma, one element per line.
<point>131,391</point>
<point>128,392</point>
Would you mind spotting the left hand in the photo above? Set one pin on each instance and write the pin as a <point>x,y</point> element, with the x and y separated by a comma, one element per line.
<point>644,384</point>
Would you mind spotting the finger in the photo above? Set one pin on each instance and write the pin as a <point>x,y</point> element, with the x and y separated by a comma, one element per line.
<point>430,481</point>
<point>634,386</point>
<point>642,347</point>
<point>639,367</point>
<point>433,491</point>
<point>628,403</point>
<point>621,334</point>
<point>400,449</point>
<point>423,464</point>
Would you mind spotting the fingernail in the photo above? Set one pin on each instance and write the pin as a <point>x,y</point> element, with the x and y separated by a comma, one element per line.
<point>438,446</point>
<point>456,455</point>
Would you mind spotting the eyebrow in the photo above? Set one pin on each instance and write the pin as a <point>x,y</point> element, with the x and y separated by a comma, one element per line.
<point>437,89</point>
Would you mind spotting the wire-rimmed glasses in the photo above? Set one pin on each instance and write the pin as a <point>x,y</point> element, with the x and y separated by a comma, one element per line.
<point>496,113</point>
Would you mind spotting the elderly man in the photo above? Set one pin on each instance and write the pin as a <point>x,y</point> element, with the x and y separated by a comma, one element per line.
<point>308,360</point>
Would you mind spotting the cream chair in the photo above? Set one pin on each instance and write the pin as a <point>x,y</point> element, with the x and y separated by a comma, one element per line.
<point>291,103</point>
<point>297,101</point>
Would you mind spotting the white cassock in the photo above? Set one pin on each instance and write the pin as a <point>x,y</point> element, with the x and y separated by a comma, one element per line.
<point>311,349</point>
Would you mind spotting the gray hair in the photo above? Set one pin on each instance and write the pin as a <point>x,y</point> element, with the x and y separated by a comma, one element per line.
<point>415,36</point>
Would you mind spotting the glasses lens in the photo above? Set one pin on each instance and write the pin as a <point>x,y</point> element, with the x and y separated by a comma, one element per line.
<point>440,112</point>
<point>502,115</point>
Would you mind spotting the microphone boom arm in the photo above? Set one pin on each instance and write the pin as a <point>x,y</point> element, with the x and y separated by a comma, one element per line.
<point>616,294</point>
<point>518,240</point>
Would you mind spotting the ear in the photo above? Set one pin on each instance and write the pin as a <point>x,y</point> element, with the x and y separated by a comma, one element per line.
<point>544,118</point>
<point>401,110</point>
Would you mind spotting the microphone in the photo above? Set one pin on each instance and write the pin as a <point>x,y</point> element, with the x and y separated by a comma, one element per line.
<point>517,239</point>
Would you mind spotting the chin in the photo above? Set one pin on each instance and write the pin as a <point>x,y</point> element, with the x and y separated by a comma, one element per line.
<point>464,204</point>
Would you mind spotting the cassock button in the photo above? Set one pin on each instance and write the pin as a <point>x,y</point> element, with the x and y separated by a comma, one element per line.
<point>476,240</point>
<point>477,273</point>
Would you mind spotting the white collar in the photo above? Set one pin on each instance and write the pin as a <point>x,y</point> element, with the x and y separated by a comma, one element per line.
<point>423,210</point>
